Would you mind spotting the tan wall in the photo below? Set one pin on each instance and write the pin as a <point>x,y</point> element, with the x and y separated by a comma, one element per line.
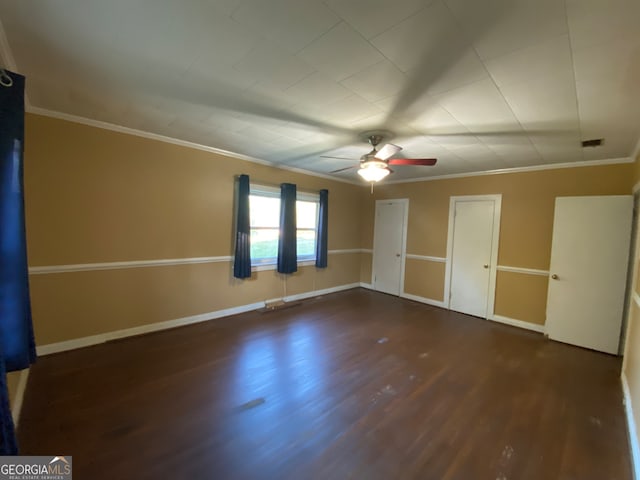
<point>365,267</point>
<point>636,170</point>
<point>521,296</point>
<point>13,378</point>
<point>94,196</point>
<point>528,201</point>
<point>424,278</point>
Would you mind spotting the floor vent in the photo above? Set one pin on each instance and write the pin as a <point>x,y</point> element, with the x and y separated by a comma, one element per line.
<point>277,305</point>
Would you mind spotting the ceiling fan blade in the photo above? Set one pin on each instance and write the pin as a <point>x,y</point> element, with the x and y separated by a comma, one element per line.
<point>339,158</point>
<point>413,161</point>
<point>387,151</point>
<point>343,169</point>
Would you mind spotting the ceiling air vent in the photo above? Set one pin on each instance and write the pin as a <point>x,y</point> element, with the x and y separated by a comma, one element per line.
<point>596,142</point>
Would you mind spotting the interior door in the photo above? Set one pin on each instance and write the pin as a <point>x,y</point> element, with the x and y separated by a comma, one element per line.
<point>589,255</point>
<point>389,246</point>
<point>471,256</point>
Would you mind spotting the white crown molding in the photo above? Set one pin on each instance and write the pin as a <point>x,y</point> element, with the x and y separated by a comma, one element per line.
<point>533,168</point>
<point>427,258</point>
<point>529,271</point>
<point>184,143</point>
<point>175,141</point>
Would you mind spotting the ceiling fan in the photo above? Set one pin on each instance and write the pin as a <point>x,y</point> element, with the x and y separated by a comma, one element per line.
<point>374,166</point>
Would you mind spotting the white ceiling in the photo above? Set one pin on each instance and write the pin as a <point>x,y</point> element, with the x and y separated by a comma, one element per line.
<point>481,85</point>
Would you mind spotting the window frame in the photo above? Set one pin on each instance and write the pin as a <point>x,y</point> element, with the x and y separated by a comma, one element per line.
<point>267,191</point>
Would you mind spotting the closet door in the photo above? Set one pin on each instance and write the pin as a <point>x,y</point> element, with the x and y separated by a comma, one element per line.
<point>589,258</point>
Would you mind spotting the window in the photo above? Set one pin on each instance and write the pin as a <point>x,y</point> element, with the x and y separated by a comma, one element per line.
<point>264,208</point>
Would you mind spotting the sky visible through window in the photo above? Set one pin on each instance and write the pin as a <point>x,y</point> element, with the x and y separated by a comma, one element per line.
<point>265,221</point>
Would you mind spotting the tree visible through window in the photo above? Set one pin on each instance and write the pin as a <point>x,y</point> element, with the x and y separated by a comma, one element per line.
<point>264,207</point>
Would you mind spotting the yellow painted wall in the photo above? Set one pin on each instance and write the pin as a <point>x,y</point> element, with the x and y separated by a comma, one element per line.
<point>528,201</point>
<point>94,196</point>
<point>522,296</point>
<point>424,278</point>
<point>13,378</point>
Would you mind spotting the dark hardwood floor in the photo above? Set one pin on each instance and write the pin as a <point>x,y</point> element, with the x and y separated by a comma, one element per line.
<point>356,384</point>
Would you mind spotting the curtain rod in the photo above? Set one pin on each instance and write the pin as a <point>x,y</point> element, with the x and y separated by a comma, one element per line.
<point>5,79</point>
<point>274,185</point>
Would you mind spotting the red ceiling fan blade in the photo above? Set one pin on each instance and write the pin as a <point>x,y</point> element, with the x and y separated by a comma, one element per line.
<point>387,151</point>
<point>413,161</point>
<point>343,169</point>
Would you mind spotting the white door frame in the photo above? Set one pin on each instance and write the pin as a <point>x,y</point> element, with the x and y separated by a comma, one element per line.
<point>634,255</point>
<point>493,264</point>
<point>403,253</point>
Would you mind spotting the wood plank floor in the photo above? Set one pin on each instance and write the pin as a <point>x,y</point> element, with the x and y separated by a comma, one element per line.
<point>356,384</point>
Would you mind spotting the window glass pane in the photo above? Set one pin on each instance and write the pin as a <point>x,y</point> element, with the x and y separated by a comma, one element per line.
<point>264,211</point>
<point>306,214</point>
<point>306,243</point>
<point>265,222</point>
<point>264,243</point>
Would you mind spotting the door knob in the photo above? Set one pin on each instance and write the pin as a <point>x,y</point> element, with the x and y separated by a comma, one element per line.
<point>486,265</point>
<point>554,276</point>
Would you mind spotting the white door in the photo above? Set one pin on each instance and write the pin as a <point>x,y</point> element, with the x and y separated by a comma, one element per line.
<point>389,245</point>
<point>589,255</point>
<point>472,268</point>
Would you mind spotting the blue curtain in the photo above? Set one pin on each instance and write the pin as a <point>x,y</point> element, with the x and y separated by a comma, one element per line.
<point>287,248</point>
<point>17,346</point>
<point>322,234</point>
<point>242,258</point>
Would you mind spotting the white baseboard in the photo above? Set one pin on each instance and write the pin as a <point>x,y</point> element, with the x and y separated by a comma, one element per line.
<point>518,323</point>
<point>631,428</point>
<point>179,322</point>
<point>317,293</point>
<point>368,286</point>
<point>496,318</point>
<point>428,301</point>
<point>16,408</point>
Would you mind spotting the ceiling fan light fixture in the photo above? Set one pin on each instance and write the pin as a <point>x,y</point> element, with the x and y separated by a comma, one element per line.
<point>373,172</point>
